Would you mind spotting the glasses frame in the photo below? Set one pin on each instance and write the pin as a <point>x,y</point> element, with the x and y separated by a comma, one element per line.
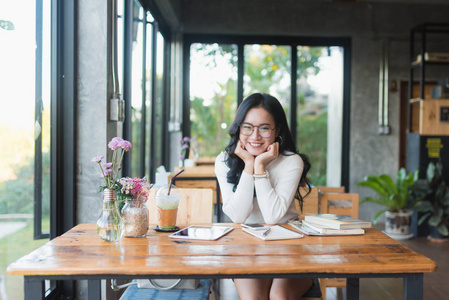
<point>258,129</point>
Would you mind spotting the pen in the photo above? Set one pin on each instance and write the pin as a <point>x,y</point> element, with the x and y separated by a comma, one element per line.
<point>266,232</point>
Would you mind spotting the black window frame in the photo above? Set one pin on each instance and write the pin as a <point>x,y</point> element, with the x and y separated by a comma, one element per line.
<point>158,26</point>
<point>293,41</point>
<point>37,210</point>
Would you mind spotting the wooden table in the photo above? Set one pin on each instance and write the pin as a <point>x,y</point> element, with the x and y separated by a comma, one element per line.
<point>80,254</point>
<point>205,161</point>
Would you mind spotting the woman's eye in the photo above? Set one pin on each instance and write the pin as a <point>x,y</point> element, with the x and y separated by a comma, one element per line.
<point>247,127</point>
<point>264,128</point>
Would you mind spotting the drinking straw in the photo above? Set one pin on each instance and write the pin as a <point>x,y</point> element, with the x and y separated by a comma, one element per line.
<point>171,180</point>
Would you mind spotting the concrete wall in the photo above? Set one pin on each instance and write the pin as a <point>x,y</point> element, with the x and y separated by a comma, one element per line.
<point>368,24</point>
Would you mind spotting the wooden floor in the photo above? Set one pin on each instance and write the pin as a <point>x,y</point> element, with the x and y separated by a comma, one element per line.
<point>436,285</point>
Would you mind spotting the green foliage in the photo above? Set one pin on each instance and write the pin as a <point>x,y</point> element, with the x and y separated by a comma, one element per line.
<point>312,141</point>
<point>394,195</point>
<point>16,195</point>
<point>308,60</point>
<point>137,139</point>
<point>433,199</point>
<point>6,25</point>
<point>210,118</point>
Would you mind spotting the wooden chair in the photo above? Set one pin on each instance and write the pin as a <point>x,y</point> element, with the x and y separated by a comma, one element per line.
<point>345,204</point>
<point>202,177</point>
<point>330,189</point>
<point>310,205</point>
<point>205,161</point>
<point>195,207</point>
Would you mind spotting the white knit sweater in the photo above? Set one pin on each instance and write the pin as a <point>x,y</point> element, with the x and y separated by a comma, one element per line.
<point>272,202</point>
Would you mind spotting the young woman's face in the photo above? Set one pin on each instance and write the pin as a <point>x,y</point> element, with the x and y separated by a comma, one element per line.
<point>263,134</point>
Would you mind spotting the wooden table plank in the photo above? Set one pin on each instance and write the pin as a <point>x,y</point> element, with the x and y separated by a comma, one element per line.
<point>80,251</point>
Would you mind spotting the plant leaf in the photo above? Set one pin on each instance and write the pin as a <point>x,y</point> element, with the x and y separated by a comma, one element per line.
<point>423,218</point>
<point>381,201</point>
<point>378,215</point>
<point>423,206</point>
<point>434,220</point>
<point>443,230</point>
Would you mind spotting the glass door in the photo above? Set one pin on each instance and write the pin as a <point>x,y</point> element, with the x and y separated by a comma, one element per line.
<point>307,80</point>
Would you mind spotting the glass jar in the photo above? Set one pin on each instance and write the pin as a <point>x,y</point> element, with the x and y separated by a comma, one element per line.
<point>135,217</point>
<point>110,223</point>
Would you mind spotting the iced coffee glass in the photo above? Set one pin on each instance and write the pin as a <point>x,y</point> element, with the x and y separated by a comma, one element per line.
<point>167,202</point>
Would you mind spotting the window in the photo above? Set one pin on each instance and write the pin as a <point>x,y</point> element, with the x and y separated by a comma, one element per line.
<point>213,95</point>
<point>308,76</point>
<point>142,72</point>
<point>25,131</point>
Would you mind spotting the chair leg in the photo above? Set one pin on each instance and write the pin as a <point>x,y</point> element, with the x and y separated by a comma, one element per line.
<point>323,288</point>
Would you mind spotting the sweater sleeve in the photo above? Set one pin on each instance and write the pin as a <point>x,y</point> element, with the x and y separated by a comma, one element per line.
<point>237,205</point>
<point>276,194</point>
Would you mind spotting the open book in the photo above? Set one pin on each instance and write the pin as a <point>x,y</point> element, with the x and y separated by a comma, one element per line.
<point>276,232</point>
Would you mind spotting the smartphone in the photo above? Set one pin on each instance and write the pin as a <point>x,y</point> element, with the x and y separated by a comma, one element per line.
<point>256,226</point>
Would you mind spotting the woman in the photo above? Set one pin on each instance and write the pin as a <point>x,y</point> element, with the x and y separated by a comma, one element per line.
<point>259,176</point>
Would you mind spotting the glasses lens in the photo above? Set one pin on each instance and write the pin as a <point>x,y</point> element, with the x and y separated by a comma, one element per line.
<point>265,131</point>
<point>246,129</point>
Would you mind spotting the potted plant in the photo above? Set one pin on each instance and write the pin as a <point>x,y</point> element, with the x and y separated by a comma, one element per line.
<point>395,195</point>
<point>433,202</point>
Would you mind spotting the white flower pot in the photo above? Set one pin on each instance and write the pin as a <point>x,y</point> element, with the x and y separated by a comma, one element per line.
<point>398,222</point>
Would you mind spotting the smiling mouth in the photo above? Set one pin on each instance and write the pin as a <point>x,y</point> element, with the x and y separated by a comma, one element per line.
<point>255,145</point>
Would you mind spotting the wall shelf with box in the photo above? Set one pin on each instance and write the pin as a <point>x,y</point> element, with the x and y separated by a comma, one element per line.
<point>428,115</point>
<point>427,108</point>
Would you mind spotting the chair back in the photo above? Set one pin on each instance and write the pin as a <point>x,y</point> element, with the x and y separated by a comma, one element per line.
<point>205,161</point>
<point>196,170</point>
<point>202,177</point>
<point>345,204</point>
<point>195,206</point>
<point>310,205</point>
<point>331,189</point>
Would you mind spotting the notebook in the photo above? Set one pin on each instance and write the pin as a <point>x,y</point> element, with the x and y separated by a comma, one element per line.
<point>276,232</point>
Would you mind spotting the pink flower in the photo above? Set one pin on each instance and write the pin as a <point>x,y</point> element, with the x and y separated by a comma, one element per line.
<point>107,165</point>
<point>97,159</point>
<point>114,143</point>
<point>125,145</point>
<point>108,172</point>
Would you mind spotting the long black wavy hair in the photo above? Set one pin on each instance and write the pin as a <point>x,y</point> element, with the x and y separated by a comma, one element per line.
<point>271,105</point>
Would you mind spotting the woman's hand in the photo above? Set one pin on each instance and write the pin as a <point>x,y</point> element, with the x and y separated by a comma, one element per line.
<point>247,158</point>
<point>263,159</point>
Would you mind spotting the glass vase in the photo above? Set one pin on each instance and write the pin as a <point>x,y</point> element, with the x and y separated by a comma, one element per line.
<point>110,223</point>
<point>135,217</point>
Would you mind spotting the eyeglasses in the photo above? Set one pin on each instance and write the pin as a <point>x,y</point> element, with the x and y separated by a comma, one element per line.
<point>248,129</point>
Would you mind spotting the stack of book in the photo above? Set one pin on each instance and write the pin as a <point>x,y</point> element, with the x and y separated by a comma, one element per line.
<point>330,224</point>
